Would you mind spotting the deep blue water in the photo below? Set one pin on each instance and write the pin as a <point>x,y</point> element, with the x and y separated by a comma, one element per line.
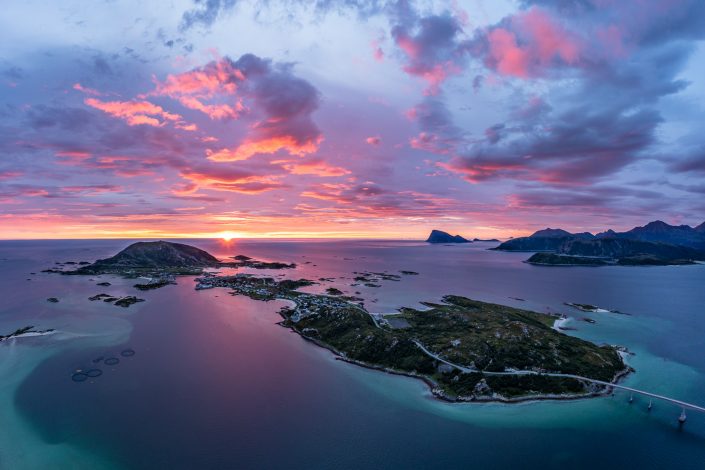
<point>216,383</point>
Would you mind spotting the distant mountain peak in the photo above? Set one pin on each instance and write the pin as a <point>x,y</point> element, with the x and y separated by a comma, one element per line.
<point>661,226</point>
<point>550,233</point>
<point>439,236</point>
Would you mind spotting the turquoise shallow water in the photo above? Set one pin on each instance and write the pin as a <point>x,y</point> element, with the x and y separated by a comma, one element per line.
<point>216,383</point>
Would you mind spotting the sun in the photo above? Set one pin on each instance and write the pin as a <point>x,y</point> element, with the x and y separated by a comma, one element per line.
<point>227,236</point>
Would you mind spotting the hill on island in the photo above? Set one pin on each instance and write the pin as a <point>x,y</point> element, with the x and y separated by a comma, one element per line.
<point>153,255</point>
<point>661,232</point>
<point>656,243</point>
<point>438,236</point>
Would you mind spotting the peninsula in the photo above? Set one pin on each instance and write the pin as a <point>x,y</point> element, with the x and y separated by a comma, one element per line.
<point>464,349</point>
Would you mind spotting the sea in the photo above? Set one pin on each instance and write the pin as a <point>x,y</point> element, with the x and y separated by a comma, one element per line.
<point>207,380</point>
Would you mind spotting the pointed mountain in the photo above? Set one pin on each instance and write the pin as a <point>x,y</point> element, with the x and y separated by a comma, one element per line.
<point>661,232</point>
<point>700,228</point>
<point>438,236</point>
<point>606,234</point>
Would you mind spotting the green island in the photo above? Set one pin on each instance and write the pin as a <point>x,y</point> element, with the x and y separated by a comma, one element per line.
<point>464,349</point>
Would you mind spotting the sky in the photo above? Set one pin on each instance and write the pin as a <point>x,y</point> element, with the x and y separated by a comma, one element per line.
<point>349,118</point>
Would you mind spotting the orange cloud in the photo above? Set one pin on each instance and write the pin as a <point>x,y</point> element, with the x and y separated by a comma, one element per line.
<point>134,112</point>
<point>194,88</point>
<point>313,167</point>
<point>229,180</point>
<point>88,91</point>
<point>265,146</point>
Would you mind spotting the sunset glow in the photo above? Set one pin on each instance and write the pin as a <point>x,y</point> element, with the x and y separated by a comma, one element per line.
<point>348,120</point>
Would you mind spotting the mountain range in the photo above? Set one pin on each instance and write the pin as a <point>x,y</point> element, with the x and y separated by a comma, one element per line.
<point>655,243</point>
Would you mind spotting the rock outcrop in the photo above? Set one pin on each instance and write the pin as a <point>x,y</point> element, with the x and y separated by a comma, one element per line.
<point>438,236</point>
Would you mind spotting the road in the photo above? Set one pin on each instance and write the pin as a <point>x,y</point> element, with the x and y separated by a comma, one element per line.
<point>680,403</point>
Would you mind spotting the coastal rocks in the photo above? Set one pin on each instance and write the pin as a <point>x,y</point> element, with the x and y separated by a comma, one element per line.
<point>127,301</point>
<point>553,259</point>
<point>25,331</point>
<point>103,284</point>
<point>105,297</point>
<point>585,307</point>
<point>156,282</point>
<point>243,261</point>
<point>53,300</point>
<point>118,301</point>
<point>374,279</point>
<point>592,308</point>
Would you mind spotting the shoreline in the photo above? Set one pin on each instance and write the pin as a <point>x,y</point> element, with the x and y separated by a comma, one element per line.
<point>438,394</point>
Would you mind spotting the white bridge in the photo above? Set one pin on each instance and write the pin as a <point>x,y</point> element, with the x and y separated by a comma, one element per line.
<point>684,405</point>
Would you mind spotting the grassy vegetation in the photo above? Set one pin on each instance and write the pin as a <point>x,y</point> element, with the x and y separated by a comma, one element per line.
<point>480,336</point>
<point>495,338</point>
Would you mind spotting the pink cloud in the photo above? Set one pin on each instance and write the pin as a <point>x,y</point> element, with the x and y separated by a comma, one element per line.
<point>509,59</point>
<point>529,43</point>
<point>134,113</point>
<point>203,89</point>
<point>86,90</point>
<point>6,175</point>
<point>226,179</point>
<point>377,51</point>
<point>316,167</point>
<point>374,140</point>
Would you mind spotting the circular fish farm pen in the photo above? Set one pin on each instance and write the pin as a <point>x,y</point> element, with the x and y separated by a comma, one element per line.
<point>79,377</point>
<point>127,353</point>
<point>111,361</point>
<point>93,373</point>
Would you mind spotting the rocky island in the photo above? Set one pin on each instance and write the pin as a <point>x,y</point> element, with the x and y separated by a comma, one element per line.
<point>438,236</point>
<point>149,257</point>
